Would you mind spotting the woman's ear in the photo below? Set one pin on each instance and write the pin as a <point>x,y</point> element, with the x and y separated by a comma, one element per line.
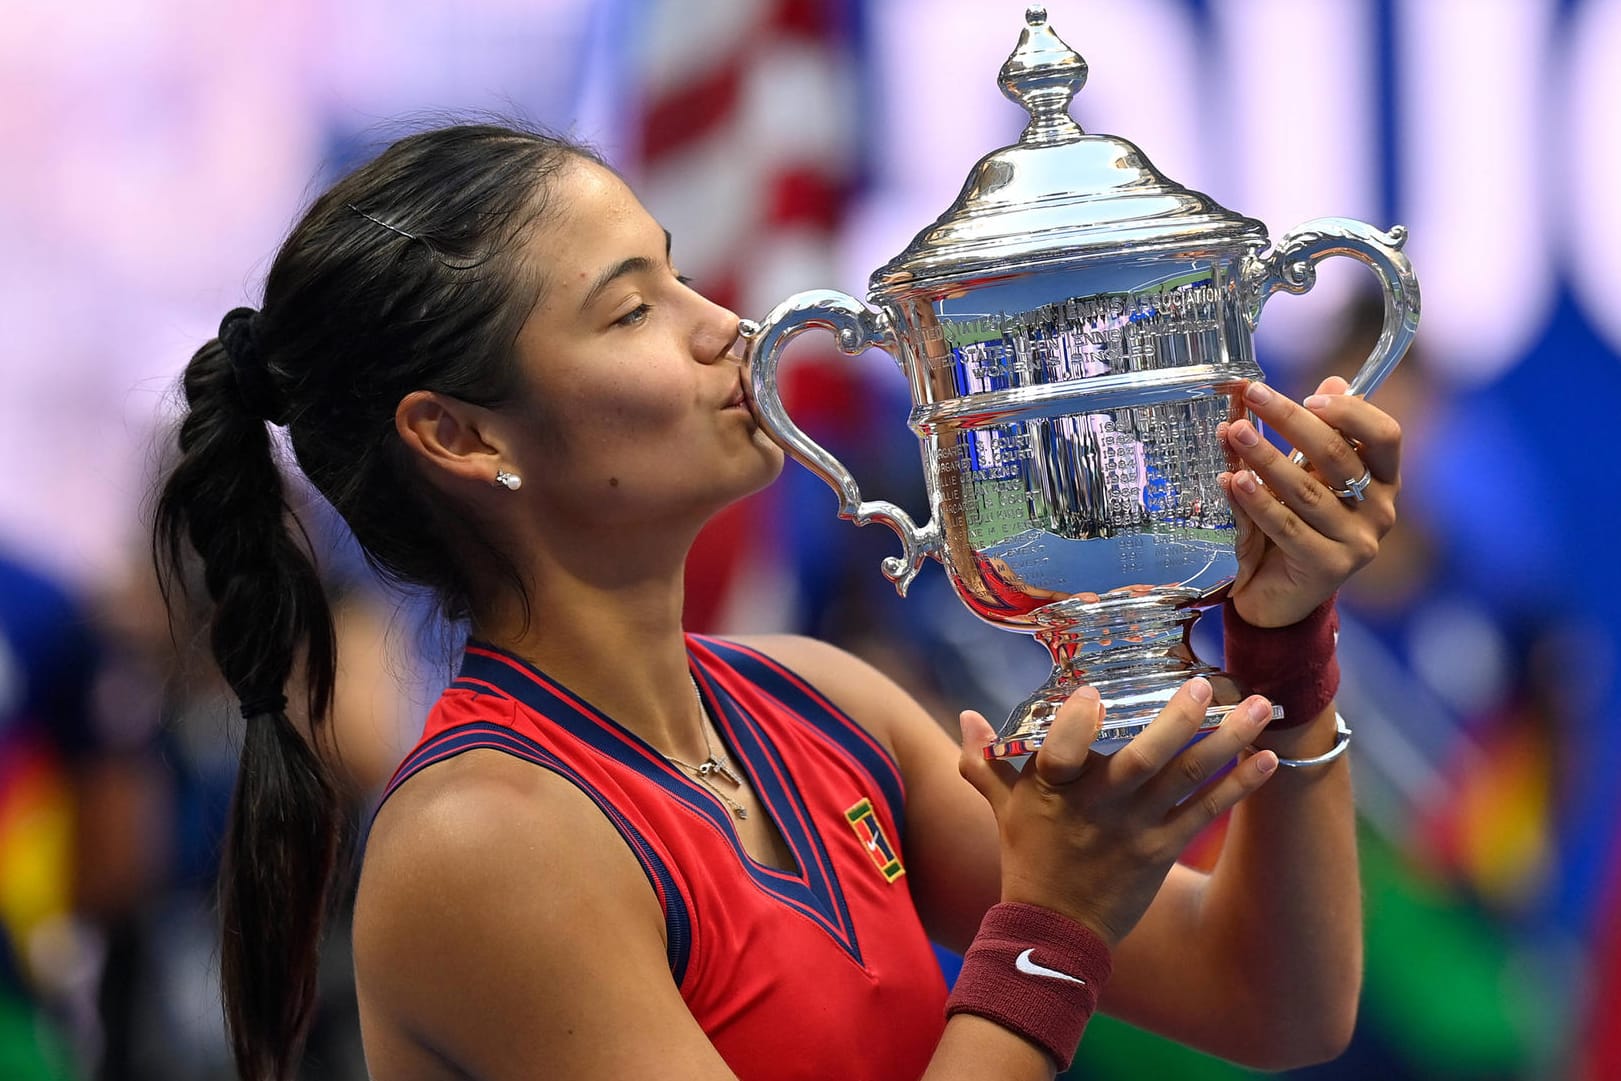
<point>447,435</point>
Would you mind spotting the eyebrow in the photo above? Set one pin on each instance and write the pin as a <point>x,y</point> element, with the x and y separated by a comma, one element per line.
<point>634,265</point>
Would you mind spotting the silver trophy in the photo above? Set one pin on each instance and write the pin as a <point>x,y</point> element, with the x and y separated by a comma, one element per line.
<point>1074,328</point>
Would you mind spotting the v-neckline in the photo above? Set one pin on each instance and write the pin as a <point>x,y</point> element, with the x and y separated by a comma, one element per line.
<point>723,713</point>
<point>813,889</point>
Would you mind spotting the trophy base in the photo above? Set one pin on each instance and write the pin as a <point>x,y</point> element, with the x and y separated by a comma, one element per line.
<point>1135,652</point>
<point>1114,734</point>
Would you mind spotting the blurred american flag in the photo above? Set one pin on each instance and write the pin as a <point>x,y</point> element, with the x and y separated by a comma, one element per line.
<point>746,150</point>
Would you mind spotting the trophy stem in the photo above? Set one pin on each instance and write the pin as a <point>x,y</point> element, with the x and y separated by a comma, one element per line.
<point>1135,652</point>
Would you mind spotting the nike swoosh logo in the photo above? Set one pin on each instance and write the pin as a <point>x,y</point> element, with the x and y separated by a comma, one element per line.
<point>1030,968</point>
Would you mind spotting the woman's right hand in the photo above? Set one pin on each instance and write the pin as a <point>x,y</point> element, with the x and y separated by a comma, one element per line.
<point>1093,836</point>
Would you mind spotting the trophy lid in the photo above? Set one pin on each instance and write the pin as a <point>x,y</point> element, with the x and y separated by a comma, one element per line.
<point>1058,193</point>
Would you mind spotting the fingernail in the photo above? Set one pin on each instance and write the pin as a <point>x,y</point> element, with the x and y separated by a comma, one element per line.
<point>1199,690</point>
<point>1245,481</point>
<point>1316,401</point>
<point>1258,393</point>
<point>1260,711</point>
<point>1246,435</point>
<point>1267,762</point>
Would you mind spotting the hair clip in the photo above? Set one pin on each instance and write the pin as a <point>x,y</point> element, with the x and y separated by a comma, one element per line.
<point>379,221</point>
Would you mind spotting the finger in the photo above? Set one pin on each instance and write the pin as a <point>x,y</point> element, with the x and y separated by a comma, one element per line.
<point>1334,459</point>
<point>1068,744</point>
<point>1377,432</point>
<point>1203,760</point>
<point>1139,761</point>
<point>1301,542</point>
<point>1249,538</point>
<point>1214,800</point>
<point>991,779</point>
<point>1304,493</point>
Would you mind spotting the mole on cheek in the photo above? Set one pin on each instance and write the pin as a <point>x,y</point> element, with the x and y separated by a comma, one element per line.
<point>613,482</point>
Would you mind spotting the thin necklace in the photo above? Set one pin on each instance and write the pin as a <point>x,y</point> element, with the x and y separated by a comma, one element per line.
<point>715,764</point>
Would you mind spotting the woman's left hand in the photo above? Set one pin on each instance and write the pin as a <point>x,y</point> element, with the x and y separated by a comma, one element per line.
<point>1299,537</point>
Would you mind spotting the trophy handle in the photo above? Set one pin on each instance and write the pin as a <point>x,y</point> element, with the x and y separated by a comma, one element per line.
<point>1291,266</point>
<point>855,327</point>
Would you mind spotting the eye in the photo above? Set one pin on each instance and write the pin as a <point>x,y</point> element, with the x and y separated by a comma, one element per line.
<point>634,316</point>
<point>684,280</point>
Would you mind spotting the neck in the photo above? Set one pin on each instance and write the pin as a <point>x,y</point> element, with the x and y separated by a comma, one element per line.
<point>613,636</point>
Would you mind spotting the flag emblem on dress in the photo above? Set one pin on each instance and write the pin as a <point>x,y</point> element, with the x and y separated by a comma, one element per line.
<point>870,832</point>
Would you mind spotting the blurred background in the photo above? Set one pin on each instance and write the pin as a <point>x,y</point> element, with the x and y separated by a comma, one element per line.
<point>155,151</point>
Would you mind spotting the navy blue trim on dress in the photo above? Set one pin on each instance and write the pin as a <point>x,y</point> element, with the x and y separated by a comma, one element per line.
<point>484,735</point>
<point>794,694</point>
<point>775,786</point>
<point>813,891</point>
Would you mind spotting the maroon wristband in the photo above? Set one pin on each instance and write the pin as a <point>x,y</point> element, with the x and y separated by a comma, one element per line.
<point>1295,667</point>
<point>1035,973</point>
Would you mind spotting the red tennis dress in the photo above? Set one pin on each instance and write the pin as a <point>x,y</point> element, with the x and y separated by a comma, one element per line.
<point>822,973</point>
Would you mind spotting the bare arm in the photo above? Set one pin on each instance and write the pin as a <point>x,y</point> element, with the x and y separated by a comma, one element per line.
<point>1261,961</point>
<point>1278,924</point>
<point>1283,906</point>
<point>1284,901</point>
<point>504,931</point>
<point>1186,969</point>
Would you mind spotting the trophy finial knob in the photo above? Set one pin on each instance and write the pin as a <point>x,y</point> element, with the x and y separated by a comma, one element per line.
<point>1043,75</point>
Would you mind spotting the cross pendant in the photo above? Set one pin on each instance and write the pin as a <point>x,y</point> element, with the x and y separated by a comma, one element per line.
<point>720,766</point>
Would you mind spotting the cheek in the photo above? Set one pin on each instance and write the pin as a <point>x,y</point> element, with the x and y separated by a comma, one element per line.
<point>640,433</point>
<point>640,428</point>
<point>647,410</point>
<point>618,395</point>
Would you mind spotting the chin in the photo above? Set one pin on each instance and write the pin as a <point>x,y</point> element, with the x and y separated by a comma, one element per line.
<point>767,448</point>
<point>750,471</point>
<point>772,458</point>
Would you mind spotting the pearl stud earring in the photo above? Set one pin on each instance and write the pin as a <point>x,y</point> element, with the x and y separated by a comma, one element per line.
<point>510,481</point>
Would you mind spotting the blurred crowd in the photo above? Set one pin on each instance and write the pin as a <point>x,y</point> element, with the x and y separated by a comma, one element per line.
<point>1479,650</point>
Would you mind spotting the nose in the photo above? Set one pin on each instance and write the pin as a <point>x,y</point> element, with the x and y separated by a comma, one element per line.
<point>717,335</point>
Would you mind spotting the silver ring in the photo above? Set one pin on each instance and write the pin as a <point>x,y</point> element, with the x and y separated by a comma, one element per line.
<point>1354,488</point>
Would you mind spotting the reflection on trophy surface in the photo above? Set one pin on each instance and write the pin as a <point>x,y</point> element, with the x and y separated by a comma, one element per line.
<point>1074,329</point>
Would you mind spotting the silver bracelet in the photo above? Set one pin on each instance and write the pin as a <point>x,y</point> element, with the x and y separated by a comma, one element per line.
<point>1341,730</point>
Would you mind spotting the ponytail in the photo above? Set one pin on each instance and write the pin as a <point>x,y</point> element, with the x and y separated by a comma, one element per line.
<point>408,274</point>
<point>225,499</point>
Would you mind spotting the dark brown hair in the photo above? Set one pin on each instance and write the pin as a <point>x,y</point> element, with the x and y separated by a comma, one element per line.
<point>401,277</point>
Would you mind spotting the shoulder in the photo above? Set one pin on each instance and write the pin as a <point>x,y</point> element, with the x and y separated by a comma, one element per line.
<point>491,792</point>
<point>465,819</point>
<point>477,856</point>
<point>502,929</point>
<point>870,697</point>
<point>817,661</point>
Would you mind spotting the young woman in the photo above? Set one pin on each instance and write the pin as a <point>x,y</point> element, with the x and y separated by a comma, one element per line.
<point>626,851</point>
